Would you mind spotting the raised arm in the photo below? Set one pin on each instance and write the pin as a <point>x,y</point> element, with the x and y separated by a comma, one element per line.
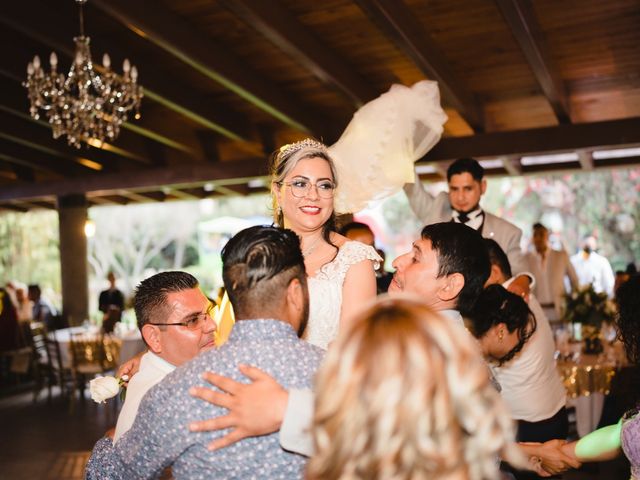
<point>426,207</point>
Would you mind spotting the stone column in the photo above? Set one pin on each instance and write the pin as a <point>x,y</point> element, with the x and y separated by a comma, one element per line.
<point>72,214</point>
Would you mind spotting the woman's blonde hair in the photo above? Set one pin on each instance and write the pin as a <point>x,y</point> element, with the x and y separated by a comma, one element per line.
<point>406,395</point>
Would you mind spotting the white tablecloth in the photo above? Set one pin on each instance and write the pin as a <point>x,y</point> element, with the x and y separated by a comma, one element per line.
<point>132,343</point>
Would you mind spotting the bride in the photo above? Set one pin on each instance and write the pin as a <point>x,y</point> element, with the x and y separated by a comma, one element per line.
<point>340,272</point>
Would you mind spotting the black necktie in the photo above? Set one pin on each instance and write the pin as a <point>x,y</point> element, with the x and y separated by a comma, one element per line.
<point>463,217</point>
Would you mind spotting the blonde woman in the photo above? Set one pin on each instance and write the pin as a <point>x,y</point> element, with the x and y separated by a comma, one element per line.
<point>341,272</point>
<point>404,394</point>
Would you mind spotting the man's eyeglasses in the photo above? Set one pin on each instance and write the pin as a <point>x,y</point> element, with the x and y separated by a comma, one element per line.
<point>300,187</point>
<point>193,322</point>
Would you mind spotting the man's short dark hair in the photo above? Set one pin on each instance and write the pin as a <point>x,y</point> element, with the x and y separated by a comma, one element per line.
<point>460,249</point>
<point>466,165</point>
<point>258,264</point>
<point>354,226</point>
<point>539,226</point>
<point>498,257</point>
<point>150,301</point>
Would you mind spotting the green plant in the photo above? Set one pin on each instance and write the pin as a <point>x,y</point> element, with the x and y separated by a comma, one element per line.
<point>588,307</point>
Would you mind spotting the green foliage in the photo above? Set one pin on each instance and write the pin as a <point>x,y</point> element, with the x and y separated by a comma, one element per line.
<point>29,250</point>
<point>588,307</point>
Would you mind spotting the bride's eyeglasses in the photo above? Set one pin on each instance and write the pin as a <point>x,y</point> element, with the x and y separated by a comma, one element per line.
<point>300,187</point>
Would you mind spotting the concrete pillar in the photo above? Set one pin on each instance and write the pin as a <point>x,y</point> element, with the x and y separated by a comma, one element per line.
<point>72,214</point>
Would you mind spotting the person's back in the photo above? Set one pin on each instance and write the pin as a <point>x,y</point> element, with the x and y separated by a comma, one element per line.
<point>531,385</point>
<point>270,345</point>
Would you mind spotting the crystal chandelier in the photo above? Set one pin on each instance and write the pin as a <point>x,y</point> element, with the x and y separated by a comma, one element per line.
<point>85,106</point>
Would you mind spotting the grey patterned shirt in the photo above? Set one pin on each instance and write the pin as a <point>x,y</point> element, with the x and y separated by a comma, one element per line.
<point>160,436</point>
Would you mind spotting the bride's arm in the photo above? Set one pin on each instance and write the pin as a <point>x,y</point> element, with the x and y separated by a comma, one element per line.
<point>359,287</point>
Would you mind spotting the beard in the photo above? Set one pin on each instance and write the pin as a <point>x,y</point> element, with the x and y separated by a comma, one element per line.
<point>469,210</point>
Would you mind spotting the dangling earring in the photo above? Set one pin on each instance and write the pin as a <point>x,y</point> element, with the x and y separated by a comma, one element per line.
<point>500,335</point>
<point>279,211</point>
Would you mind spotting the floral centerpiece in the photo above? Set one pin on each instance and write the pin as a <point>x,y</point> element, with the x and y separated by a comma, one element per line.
<point>590,309</point>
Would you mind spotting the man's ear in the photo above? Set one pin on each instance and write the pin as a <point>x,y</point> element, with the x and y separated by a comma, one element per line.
<point>295,296</point>
<point>453,285</point>
<point>483,186</point>
<point>151,335</point>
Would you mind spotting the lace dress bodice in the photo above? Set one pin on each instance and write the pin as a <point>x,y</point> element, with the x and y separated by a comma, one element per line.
<point>325,292</point>
<point>631,444</point>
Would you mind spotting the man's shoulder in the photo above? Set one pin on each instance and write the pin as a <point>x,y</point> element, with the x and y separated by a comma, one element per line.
<point>500,226</point>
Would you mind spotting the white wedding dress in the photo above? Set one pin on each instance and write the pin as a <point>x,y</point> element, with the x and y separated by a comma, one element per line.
<point>325,292</point>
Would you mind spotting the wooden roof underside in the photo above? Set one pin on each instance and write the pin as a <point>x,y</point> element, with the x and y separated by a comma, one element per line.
<point>228,81</point>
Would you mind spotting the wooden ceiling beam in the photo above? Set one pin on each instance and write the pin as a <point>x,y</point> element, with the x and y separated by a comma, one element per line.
<point>521,19</point>
<point>236,171</point>
<point>48,205</point>
<point>561,138</point>
<point>117,199</point>
<point>13,207</point>
<point>198,192</point>
<point>395,19</point>
<point>284,30</point>
<point>17,154</point>
<point>31,135</point>
<point>24,174</point>
<point>182,194</point>
<point>178,38</point>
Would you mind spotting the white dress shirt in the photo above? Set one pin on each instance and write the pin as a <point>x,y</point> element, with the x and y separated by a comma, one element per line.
<point>594,269</point>
<point>152,370</point>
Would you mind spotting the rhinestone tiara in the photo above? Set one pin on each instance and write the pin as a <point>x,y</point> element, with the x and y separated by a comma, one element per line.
<point>291,148</point>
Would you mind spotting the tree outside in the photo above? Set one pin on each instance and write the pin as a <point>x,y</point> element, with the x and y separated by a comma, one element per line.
<point>136,241</point>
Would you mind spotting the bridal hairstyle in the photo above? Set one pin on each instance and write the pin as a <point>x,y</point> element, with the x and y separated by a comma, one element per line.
<point>283,160</point>
<point>404,394</point>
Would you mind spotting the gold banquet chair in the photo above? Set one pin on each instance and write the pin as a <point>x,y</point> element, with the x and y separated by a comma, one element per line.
<point>92,355</point>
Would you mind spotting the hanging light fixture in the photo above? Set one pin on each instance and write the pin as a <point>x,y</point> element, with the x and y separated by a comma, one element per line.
<point>84,106</point>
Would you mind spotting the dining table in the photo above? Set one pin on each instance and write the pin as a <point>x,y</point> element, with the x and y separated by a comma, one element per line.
<point>588,378</point>
<point>127,342</point>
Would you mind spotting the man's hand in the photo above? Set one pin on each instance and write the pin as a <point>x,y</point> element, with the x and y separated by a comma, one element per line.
<point>130,368</point>
<point>552,458</point>
<point>256,408</point>
<point>521,286</point>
